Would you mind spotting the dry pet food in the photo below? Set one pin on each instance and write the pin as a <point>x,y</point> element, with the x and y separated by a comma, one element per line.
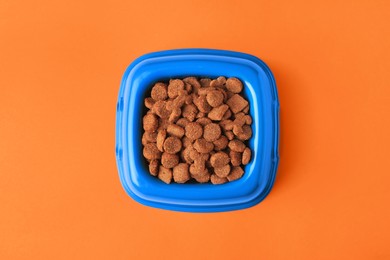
<point>197,129</point>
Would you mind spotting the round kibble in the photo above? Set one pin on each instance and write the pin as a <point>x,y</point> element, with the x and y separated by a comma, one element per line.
<point>211,132</point>
<point>236,145</point>
<point>151,152</point>
<point>181,173</point>
<point>202,178</point>
<point>203,146</point>
<point>150,123</point>
<point>193,131</point>
<point>169,160</point>
<point>235,173</point>
<point>175,85</point>
<point>221,143</point>
<point>234,85</point>
<point>150,137</point>
<point>214,98</point>
<point>159,91</point>
<point>219,159</point>
<point>222,171</point>
<point>215,179</point>
<point>172,145</point>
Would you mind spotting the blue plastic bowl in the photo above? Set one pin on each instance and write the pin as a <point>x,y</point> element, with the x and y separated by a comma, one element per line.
<point>260,91</point>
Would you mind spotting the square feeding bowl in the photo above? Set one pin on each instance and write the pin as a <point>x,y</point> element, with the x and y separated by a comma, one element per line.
<point>259,90</point>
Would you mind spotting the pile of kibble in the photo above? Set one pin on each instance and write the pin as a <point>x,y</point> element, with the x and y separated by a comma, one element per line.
<point>197,129</point>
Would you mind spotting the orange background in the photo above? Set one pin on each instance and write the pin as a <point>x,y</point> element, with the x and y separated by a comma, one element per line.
<point>61,63</point>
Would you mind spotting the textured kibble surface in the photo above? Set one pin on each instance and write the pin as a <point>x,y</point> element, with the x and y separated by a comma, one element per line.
<point>197,130</point>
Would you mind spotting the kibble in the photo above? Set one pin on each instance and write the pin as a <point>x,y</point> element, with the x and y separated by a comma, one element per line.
<point>197,130</point>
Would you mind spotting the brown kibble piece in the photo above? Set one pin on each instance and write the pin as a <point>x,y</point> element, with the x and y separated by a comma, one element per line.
<point>200,115</point>
<point>248,120</point>
<point>165,174</point>
<point>162,124</point>
<point>179,101</point>
<point>151,152</point>
<point>159,91</point>
<point>246,156</point>
<point>181,173</point>
<point>219,159</point>
<point>226,124</point>
<point>175,130</point>
<point>245,134</point>
<point>222,171</point>
<point>229,135</point>
<point>188,87</point>
<point>186,154</point>
<point>182,122</point>
<point>227,115</point>
<point>169,160</point>
<point>193,130</point>
<point>221,143</point>
<point>162,134</point>
<point>149,102</point>
<point>190,111</point>
<point>150,123</point>
<point>175,85</point>
<point>202,146</point>
<point>176,113</point>
<point>153,167</point>
<point>193,82</point>
<point>217,180</point>
<point>172,145</point>
<point>205,82</point>
<point>236,145</point>
<point>160,109</point>
<point>204,121</point>
<point>239,119</point>
<point>197,170</point>
<point>201,103</point>
<point>235,173</point>
<point>202,178</point>
<point>186,141</point>
<point>204,91</point>
<point>150,137</point>
<point>229,94</point>
<point>246,109</point>
<point>214,98</point>
<point>234,85</point>
<point>236,103</point>
<point>235,158</point>
<point>217,112</point>
<point>211,132</point>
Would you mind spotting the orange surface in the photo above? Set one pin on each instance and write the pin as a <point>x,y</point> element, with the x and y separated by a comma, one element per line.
<point>61,63</point>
